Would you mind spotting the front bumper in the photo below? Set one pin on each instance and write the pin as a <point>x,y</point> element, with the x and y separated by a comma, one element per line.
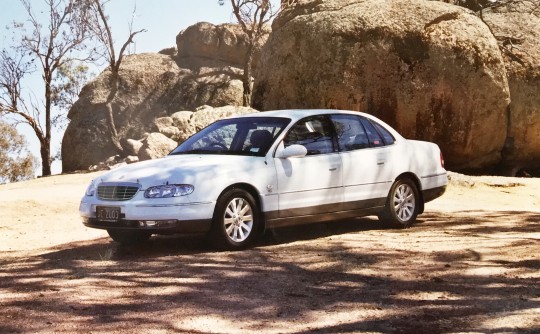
<point>160,217</point>
<point>154,226</point>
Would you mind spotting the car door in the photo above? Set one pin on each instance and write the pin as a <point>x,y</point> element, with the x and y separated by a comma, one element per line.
<point>311,184</point>
<point>366,161</point>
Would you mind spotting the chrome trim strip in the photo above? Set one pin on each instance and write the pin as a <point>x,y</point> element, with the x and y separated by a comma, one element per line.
<point>433,175</point>
<point>344,186</point>
<point>306,190</point>
<point>120,184</point>
<point>170,205</point>
<point>366,184</point>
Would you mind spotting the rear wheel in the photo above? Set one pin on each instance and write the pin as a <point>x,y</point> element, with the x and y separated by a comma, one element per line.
<point>236,221</point>
<point>402,204</point>
<point>129,237</point>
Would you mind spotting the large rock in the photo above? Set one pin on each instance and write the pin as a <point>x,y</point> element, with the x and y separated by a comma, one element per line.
<point>131,147</point>
<point>207,45</point>
<point>432,70</point>
<point>165,126</point>
<point>151,86</point>
<point>189,122</point>
<point>519,34</point>
<point>181,119</point>
<point>206,115</point>
<point>156,145</point>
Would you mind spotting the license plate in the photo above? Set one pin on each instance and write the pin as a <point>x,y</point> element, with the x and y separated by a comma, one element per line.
<point>108,213</point>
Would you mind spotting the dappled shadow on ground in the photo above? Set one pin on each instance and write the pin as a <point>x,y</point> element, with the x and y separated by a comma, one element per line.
<point>465,272</point>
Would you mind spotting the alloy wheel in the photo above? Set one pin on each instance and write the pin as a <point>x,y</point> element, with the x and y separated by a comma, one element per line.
<point>404,202</point>
<point>238,219</point>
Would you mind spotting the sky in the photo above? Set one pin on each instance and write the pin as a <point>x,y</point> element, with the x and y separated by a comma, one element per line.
<point>163,20</point>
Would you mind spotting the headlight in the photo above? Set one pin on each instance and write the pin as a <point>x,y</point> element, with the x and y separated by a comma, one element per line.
<point>170,190</point>
<point>91,190</point>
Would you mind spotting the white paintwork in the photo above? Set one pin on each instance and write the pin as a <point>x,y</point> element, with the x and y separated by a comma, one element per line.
<point>281,183</point>
<point>293,151</point>
<point>367,173</point>
<point>309,181</point>
<point>210,174</point>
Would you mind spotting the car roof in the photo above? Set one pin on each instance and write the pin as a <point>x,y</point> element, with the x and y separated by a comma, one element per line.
<point>297,114</point>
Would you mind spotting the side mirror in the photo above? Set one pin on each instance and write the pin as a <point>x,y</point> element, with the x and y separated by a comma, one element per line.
<point>293,151</point>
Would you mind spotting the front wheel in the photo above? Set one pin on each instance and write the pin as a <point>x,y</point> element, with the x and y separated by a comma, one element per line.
<point>236,221</point>
<point>402,204</point>
<point>129,237</point>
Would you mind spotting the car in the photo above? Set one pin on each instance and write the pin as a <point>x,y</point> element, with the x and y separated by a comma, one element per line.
<point>243,175</point>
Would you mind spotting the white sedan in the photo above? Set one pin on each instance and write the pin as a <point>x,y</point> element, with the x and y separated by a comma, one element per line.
<point>242,175</point>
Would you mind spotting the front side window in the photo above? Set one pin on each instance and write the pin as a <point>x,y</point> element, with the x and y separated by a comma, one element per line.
<point>314,133</point>
<point>236,136</point>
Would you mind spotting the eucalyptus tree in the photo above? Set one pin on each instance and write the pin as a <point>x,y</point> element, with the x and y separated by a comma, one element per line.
<point>49,42</point>
<point>253,16</point>
<point>16,163</point>
<point>100,29</point>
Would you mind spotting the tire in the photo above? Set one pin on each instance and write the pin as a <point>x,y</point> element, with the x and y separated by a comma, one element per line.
<point>129,237</point>
<point>236,222</point>
<point>402,204</point>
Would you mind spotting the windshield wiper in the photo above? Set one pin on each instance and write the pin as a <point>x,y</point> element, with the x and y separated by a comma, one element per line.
<point>198,151</point>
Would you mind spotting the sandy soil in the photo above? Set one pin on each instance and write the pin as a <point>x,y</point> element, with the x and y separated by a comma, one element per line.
<point>469,265</point>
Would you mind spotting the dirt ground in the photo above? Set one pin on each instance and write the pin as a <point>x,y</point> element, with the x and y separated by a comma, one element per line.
<point>469,265</point>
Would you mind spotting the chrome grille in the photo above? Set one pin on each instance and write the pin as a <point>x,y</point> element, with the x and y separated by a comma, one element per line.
<point>117,191</point>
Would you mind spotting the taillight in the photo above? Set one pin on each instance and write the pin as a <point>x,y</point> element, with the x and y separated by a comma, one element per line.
<point>442,160</point>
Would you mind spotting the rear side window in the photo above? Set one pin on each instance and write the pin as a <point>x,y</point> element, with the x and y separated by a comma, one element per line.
<point>375,140</point>
<point>386,136</point>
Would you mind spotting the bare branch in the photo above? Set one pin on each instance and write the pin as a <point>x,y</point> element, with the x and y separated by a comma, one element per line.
<point>64,32</point>
<point>252,16</point>
<point>101,30</point>
<point>123,49</point>
<point>103,33</point>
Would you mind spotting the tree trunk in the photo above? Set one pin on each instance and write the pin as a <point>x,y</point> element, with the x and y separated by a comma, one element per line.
<point>46,141</point>
<point>246,79</point>
<point>45,152</point>
<point>112,129</point>
<point>110,114</point>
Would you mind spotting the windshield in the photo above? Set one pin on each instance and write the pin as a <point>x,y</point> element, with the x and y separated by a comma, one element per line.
<point>237,136</point>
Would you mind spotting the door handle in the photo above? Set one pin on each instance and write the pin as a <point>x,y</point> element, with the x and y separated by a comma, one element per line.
<point>333,169</point>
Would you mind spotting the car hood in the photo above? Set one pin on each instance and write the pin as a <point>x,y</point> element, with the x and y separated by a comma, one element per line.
<point>178,169</point>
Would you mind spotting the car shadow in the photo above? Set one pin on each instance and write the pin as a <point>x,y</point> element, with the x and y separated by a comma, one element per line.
<point>285,235</point>
<point>104,249</point>
<point>450,272</point>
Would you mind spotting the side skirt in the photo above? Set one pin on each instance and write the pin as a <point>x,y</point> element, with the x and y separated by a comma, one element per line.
<point>273,221</point>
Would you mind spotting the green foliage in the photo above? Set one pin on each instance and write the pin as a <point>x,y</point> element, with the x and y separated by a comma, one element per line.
<point>53,33</point>
<point>69,80</point>
<point>16,163</point>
